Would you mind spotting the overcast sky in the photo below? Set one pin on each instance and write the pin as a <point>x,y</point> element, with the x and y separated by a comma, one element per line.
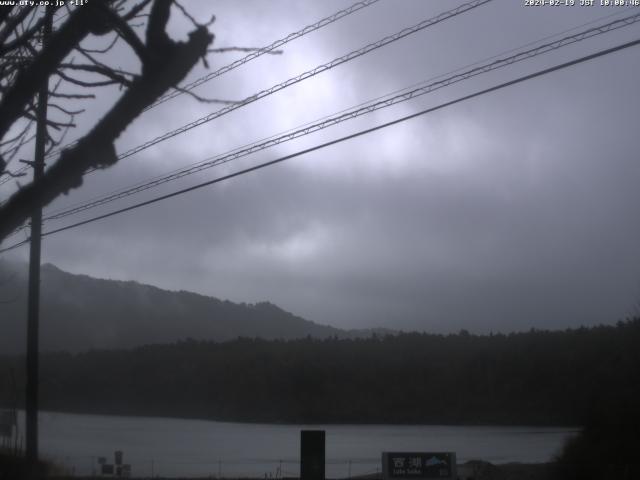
<point>514,210</point>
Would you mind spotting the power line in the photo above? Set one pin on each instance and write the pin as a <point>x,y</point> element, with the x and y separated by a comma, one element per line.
<point>518,80</point>
<point>273,46</point>
<point>347,115</point>
<point>334,17</point>
<point>16,173</point>
<point>386,96</point>
<point>304,76</point>
<point>309,74</point>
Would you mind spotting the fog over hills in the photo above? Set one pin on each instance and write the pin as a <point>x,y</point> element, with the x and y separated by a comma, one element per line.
<point>79,313</point>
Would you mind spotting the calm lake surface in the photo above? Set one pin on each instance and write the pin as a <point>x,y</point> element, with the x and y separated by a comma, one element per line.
<point>191,448</point>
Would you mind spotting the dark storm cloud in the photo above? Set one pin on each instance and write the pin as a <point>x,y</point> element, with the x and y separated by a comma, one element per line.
<point>511,211</point>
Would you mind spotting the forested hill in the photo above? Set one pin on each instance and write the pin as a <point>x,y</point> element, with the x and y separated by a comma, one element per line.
<point>79,313</point>
<point>538,377</point>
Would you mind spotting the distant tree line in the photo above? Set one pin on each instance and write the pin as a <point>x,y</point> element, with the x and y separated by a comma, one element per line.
<point>536,378</point>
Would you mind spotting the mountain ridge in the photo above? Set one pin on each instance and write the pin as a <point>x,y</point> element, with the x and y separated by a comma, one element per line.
<point>80,312</point>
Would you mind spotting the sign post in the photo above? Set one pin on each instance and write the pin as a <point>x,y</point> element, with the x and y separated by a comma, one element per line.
<point>418,465</point>
<point>312,454</point>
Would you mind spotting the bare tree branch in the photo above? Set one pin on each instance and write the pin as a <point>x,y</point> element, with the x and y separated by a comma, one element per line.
<point>202,99</point>
<point>23,38</point>
<point>165,63</point>
<point>62,42</point>
<point>13,22</point>
<point>135,10</point>
<point>85,83</point>
<point>111,44</point>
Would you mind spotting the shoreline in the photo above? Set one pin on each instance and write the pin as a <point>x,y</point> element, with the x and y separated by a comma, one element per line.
<point>563,428</point>
<point>473,469</point>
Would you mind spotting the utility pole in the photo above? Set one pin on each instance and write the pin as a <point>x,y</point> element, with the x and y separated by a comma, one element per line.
<point>33,301</point>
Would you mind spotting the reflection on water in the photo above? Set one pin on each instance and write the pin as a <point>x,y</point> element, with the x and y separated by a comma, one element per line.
<point>172,447</point>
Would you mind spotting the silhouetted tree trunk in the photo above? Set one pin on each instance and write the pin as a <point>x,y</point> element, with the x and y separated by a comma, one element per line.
<point>23,69</point>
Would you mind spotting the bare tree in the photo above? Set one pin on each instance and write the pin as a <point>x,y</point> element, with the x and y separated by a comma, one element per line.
<point>73,71</point>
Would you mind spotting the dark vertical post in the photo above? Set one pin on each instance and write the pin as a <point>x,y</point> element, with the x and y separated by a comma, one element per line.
<point>33,305</point>
<point>312,455</point>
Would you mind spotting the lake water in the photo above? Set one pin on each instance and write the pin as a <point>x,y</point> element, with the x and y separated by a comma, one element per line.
<point>190,448</point>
